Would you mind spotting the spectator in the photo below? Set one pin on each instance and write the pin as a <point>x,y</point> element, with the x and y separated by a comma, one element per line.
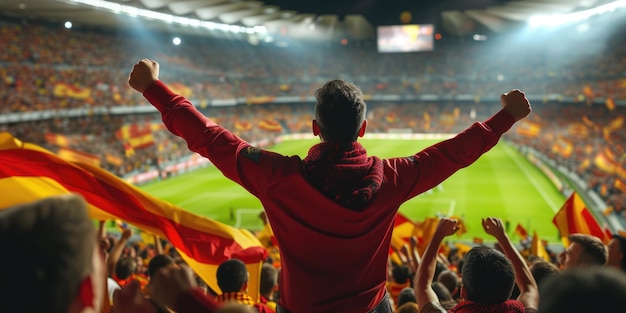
<point>406,295</point>
<point>409,307</point>
<point>355,197</point>
<point>541,270</point>
<point>616,250</point>
<point>583,290</point>
<point>400,279</point>
<point>583,250</point>
<point>487,275</point>
<point>232,278</point>
<point>268,285</point>
<point>170,287</point>
<point>451,281</point>
<point>55,266</point>
<point>443,295</point>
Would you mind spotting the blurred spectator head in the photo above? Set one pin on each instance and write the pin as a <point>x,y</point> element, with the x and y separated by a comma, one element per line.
<point>400,273</point>
<point>269,280</point>
<point>406,295</point>
<point>339,112</point>
<point>617,249</point>
<point>55,266</point>
<point>584,290</point>
<point>158,262</point>
<point>487,277</point>
<point>409,307</point>
<point>541,270</point>
<point>450,280</point>
<point>125,267</point>
<point>583,250</point>
<point>442,292</point>
<point>232,276</point>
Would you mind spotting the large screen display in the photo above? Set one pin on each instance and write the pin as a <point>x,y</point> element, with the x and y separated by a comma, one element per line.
<point>405,38</point>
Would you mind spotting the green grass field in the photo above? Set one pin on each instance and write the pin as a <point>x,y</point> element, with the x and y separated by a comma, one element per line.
<point>501,183</point>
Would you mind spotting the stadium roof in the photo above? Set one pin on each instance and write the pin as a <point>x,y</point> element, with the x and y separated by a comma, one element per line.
<point>323,19</point>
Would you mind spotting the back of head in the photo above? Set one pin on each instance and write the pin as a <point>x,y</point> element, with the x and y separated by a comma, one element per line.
<point>449,279</point>
<point>488,276</point>
<point>541,270</point>
<point>340,111</point>
<point>158,262</point>
<point>594,251</point>
<point>401,274</point>
<point>442,292</point>
<point>125,267</point>
<point>409,307</point>
<point>269,279</point>
<point>232,275</point>
<point>591,289</point>
<point>406,295</point>
<point>51,244</point>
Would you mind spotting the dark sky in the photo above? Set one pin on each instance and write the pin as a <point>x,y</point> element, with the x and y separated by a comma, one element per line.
<point>383,12</point>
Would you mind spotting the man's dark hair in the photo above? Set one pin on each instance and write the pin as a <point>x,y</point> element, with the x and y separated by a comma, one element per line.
<point>125,267</point>
<point>584,290</point>
<point>339,111</point>
<point>449,279</point>
<point>488,276</point>
<point>232,275</point>
<point>443,294</point>
<point>400,273</point>
<point>158,262</point>
<point>541,270</point>
<point>269,279</point>
<point>52,242</point>
<point>406,295</point>
<point>594,251</point>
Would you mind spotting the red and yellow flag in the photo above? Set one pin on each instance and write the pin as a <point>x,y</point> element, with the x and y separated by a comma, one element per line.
<point>574,217</point>
<point>403,229</point>
<point>537,248</point>
<point>270,125</point>
<point>521,231</point>
<point>72,155</point>
<point>57,139</point>
<point>29,172</point>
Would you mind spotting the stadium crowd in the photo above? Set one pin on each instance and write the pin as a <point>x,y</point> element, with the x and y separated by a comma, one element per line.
<point>152,277</point>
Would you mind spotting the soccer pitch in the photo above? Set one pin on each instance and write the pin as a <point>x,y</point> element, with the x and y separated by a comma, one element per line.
<point>501,183</point>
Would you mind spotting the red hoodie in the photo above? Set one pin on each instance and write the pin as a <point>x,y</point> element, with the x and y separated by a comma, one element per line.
<point>334,258</point>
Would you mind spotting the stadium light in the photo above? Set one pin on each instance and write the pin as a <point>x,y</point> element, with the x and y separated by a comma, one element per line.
<point>168,18</point>
<point>560,19</point>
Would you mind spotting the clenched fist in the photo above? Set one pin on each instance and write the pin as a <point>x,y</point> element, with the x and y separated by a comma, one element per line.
<point>516,103</point>
<point>143,74</point>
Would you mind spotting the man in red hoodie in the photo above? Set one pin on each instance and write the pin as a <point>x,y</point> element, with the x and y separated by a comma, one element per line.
<point>338,200</point>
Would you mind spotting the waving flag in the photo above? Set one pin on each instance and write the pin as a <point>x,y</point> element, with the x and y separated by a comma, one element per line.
<point>29,172</point>
<point>574,217</point>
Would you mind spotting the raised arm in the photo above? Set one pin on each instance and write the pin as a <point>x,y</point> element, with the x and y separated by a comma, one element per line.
<point>116,251</point>
<point>232,155</point>
<point>529,293</point>
<point>426,269</point>
<point>436,163</point>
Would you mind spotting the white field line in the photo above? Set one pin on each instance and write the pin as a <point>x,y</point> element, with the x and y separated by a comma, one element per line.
<point>532,180</point>
<point>240,212</point>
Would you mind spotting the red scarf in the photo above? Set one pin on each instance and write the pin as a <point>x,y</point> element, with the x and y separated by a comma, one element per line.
<point>344,173</point>
<point>509,306</point>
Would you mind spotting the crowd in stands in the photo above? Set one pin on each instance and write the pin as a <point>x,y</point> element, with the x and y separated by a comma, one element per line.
<point>145,274</point>
<point>38,58</point>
